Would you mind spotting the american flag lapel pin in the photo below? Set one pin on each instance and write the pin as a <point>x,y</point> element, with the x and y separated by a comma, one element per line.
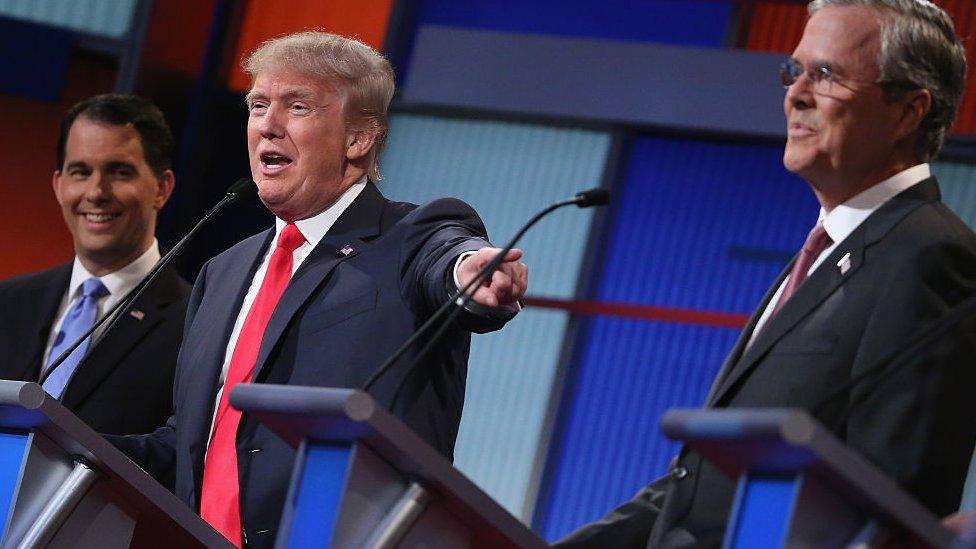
<point>137,314</point>
<point>845,263</point>
<point>346,250</point>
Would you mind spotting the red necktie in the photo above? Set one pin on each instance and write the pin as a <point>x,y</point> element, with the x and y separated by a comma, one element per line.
<point>817,241</point>
<point>220,493</point>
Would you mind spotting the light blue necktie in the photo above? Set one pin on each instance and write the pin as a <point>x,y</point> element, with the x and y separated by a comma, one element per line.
<point>79,320</point>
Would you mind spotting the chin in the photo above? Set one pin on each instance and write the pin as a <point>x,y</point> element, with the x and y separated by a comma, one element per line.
<point>796,162</point>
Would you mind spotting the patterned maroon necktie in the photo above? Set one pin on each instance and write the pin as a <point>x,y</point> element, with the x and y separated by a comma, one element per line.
<point>817,241</point>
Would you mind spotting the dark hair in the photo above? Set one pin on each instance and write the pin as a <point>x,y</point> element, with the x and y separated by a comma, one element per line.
<point>125,110</point>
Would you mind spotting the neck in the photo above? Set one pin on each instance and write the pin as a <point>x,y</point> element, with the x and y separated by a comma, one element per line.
<point>101,266</point>
<point>834,190</point>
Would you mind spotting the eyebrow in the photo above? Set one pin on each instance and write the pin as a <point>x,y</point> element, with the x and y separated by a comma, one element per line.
<point>75,164</point>
<point>111,165</point>
<point>303,94</point>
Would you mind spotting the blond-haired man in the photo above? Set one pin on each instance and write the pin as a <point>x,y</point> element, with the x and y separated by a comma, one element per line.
<point>324,296</point>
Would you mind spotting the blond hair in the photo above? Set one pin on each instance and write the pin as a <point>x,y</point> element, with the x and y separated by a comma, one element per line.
<point>365,77</point>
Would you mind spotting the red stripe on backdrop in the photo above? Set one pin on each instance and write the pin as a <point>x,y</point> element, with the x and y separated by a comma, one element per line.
<point>646,312</point>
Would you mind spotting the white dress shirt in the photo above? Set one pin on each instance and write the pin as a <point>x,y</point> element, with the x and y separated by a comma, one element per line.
<point>842,220</point>
<point>118,284</point>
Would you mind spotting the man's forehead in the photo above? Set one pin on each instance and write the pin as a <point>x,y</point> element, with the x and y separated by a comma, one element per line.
<point>290,84</point>
<point>841,35</point>
<point>89,138</point>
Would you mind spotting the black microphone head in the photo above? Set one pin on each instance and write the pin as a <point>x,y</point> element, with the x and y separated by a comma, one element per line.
<point>242,188</point>
<point>592,197</point>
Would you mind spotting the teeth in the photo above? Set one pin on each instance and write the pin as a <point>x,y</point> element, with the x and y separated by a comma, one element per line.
<point>100,218</point>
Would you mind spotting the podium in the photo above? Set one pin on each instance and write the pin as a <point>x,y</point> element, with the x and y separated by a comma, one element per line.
<point>799,486</point>
<point>63,485</point>
<point>363,479</point>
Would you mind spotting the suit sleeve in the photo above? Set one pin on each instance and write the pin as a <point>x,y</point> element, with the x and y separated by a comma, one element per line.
<point>627,526</point>
<point>909,418</point>
<point>439,232</point>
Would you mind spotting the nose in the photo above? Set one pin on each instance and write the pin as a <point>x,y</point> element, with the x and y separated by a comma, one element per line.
<point>800,94</point>
<point>271,123</point>
<point>99,188</point>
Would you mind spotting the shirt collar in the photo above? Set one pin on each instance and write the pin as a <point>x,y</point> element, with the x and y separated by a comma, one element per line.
<point>314,228</point>
<point>121,281</point>
<point>843,219</point>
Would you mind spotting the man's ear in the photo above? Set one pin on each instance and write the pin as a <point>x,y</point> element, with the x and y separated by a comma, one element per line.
<point>56,185</point>
<point>915,107</point>
<point>164,189</point>
<point>359,144</point>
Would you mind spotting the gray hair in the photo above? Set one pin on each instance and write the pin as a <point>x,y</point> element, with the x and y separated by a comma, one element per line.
<point>366,77</point>
<point>919,50</point>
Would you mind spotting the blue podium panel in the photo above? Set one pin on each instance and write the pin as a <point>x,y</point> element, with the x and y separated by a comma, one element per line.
<point>698,225</point>
<point>762,510</point>
<point>12,448</point>
<point>311,520</point>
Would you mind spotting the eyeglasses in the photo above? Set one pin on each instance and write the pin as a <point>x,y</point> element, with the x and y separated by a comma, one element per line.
<point>822,78</point>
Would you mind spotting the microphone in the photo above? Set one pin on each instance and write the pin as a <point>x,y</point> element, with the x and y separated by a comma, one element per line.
<point>241,188</point>
<point>592,197</point>
<point>460,298</point>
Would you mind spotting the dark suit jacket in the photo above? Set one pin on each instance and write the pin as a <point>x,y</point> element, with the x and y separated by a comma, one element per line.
<point>338,319</point>
<point>124,384</point>
<point>911,261</point>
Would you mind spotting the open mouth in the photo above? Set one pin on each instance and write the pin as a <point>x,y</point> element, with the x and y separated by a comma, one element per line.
<point>274,161</point>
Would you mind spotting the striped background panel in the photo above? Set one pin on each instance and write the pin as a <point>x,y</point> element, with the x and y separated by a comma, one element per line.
<point>507,171</point>
<point>686,22</point>
<point>958,184</point>
<point>109,18</point>
<point>698,224</point>
<point>776,26</point>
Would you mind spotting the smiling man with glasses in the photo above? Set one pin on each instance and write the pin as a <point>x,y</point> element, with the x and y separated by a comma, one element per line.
<point>871,91</point>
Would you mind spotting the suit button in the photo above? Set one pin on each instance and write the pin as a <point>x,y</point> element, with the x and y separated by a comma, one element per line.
<point>679,473</point>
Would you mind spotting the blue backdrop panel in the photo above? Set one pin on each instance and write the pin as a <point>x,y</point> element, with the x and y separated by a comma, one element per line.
<point>109,18</point>
<point>38,75</point>
<point>700,225</point>
<point>958,184</point>
<point>507,171</point>
<point>685,22</point>
<point>630,373</point>
<point>704,225</point>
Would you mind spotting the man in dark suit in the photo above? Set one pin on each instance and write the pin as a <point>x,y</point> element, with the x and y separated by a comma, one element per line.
<point>324,296</point>
<point>113,176</point>
<point>872,88</point>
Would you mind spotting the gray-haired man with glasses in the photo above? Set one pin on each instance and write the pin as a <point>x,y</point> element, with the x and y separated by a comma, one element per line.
<point>871,90</point>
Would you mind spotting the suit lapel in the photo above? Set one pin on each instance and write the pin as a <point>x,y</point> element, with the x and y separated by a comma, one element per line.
<point>44,299</point>
<point>825,280</point>
<point>225,295</point>
<point>110,351</point>
<point>356,226</point>
<point>746,334</point>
